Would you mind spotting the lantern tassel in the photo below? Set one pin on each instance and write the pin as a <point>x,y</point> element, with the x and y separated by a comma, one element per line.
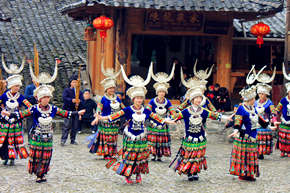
<point>260,41</point>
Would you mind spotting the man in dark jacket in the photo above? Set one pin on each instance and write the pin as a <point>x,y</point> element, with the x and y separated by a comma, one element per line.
<point>69,103</point>
<point>90,106</point>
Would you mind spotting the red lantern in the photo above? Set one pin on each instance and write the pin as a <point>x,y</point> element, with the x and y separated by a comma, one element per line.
<point>260,29</point>
<point>103,23</point>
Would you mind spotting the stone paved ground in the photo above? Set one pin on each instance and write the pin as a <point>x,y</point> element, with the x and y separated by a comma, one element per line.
<point>73,169</point>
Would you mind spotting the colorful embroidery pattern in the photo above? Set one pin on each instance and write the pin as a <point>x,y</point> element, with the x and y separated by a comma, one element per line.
<point>279,107</point>
<point>156,117</point>
<point>63,113</point>
<point>238,120</point>
<point>27,103</point>
<point>116,115</point>
<point>99,108</point>
<point>25,113</point>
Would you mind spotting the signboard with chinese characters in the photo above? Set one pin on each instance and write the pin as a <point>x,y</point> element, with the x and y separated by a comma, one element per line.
<point>173,20</point>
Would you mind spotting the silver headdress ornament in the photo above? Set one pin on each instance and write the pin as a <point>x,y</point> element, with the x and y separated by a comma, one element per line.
<point>43,77</point>
<point>162,76</point>
<point>193,82</point>
<point>13,68</point>
<point>162,80</point>
<point>202,74</point>
<point>287,77</point>
<point>137,82</point>
<point>109,72</point>
<point>253,76</point>
<point>265,78</point>
<point>250,93</point>
<point>111,75</point>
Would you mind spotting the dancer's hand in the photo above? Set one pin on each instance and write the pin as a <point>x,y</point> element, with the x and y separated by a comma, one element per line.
<point>81,112</point>
<point>5,113</point>
<point>95,121</point>
<point>234,134</point>
<point>276,125</point>
<point>169,121</point>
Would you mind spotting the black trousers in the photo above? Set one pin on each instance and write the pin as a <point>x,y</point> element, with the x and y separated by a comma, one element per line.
<point>87,123</point>
<point>70,125</point>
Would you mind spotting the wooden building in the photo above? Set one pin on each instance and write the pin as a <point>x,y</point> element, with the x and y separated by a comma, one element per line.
<point>168,30</point>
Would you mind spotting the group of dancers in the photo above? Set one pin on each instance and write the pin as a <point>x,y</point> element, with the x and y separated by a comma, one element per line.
<point>146,127</point>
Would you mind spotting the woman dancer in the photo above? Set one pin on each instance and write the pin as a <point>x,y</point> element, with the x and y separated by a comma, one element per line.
<point>105,143</point>
<point>266,109</point>
<point>158,134</point>
<point>42,132</point>
<point>12,144</point>
<point>135,150</point>
<point>283,107</point>
<point>191,155</point>
<point>244,159</point>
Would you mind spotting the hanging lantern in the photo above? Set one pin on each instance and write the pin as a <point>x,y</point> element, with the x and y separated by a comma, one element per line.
<point>260,29</point>
<point>103,23</point>
<point>89,33</point>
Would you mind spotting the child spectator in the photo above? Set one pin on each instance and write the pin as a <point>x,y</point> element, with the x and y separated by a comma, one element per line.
<point>90,106</point>
<point>224,102</point>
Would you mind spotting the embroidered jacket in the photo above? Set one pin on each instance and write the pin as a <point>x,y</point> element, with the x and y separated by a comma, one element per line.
<point>284,107</point>
<point>266,109</point>
<point>107,105</point>
<point>247,121</point>
<point>42,119</point>
<point>136,118</point>
<point>194,119</point>
<point>12,103</point>
<point>161,109</point>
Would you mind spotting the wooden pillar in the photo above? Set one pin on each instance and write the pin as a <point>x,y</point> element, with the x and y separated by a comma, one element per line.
<point>287,38</point>
<point>95,56</point>
<point>224,60</point>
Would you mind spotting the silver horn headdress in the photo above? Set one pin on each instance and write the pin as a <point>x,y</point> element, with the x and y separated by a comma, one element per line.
<point>13,68</point>
<point>43,77</point>
<point>111,75</point>
<point>264,79</point>
<point>193,82</point>
<point>249,92</point>
<point>137,82</point>
<point>287,77</point>
<point>162,80</point>
<point>202,74</point>
<point>253,76</point>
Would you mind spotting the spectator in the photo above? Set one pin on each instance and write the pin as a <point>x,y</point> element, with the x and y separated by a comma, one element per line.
<point>224,100</point>
<point>216,96</point>
<point>69,103</point>
<point>90,106</point>
<point>28,94</point>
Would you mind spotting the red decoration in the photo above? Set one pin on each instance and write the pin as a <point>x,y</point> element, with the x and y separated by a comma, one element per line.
<point>58,61</point>
<point>103,23</point>
<point>260,29</point>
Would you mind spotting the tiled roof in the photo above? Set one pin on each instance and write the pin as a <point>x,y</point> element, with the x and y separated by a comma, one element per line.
<point>277,25</point>
<point>261,6</point>
<point>54,34</point>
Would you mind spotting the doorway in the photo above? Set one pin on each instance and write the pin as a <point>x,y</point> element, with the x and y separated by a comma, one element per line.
<point>163,50</point>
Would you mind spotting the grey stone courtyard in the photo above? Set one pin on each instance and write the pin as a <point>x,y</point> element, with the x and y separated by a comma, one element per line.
<point>74,169</point>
